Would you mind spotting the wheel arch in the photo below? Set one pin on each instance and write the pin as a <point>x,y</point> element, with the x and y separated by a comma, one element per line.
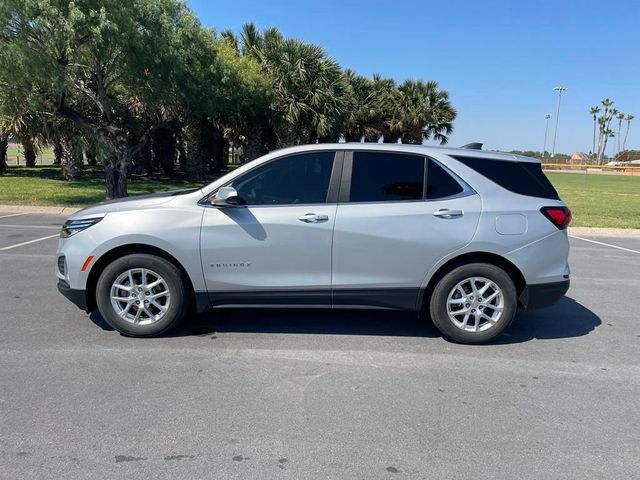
<point>121,251</point>
<point>473,257</point>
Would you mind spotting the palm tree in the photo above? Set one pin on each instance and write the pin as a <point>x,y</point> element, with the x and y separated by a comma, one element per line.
<point>310,89</point>
<point>371,107</point>
<point>252,40</point>
<point>604,121</point>
<point>620,116</point>
<point>29,150</point>
<point>628,118</point>
<point>594,112</point>
<point>26,127</point>
<point>385,97</point>
<point>612,114</point>
<point>610,134</point>
<point>360,105</point>
<point>424,113</point>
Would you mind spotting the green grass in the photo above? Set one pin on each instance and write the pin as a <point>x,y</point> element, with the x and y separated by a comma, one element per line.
<point>595,200</point>
<point>15,150</point>
<point>43,186</point>
<point>600,200</point>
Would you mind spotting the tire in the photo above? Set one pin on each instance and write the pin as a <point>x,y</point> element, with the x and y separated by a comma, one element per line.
<point>462,314</point>
<point>159,307</point>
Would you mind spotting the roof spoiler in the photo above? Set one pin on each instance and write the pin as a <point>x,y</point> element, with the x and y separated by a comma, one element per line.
<point>472,146</point>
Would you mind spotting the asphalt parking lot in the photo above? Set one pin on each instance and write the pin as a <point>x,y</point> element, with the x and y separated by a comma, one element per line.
<point>318,394</point>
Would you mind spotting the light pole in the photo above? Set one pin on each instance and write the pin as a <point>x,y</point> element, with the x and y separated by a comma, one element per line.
<point>547,116</point>
<point>555,133</point>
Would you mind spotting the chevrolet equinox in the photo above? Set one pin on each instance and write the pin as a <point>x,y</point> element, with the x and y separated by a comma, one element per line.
<point>464,236</point>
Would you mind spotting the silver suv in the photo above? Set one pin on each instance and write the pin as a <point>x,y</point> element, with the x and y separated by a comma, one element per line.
<point>462,235</point>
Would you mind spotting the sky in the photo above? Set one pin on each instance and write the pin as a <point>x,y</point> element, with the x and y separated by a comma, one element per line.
<point>499,60</point>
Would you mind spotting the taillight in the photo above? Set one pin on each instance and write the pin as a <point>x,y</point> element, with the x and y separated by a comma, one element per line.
<point>559,216</point>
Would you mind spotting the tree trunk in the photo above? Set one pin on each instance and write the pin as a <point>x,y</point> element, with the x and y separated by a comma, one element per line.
<point>57,153</point>
<point>269,140</point>
<point>145,159</point>
<point>603,148</point>
<point>182,154</point>
<point>90,153</point>
<point>220,149</point>
<point>71,162</point>
<point>4,144</point>
<point>115,177</point>
<point>593,148</point>
<point>195,160</point>
<point>353,137</point>
<point>164,149</point>
<point>256,142</point>
<point>624,143</point>
<point>29,153</point>
<point>207,145</point>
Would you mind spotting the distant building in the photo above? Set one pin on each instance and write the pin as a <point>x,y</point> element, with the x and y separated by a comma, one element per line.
<point>623,157</point>
<point>578,157</point>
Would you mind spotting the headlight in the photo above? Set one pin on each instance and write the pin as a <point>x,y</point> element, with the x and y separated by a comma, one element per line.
<point>71,227</point>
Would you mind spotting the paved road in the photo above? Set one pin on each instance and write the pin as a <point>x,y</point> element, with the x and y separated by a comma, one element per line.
<point>299,394</point>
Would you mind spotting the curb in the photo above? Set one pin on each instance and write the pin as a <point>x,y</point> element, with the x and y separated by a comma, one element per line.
<point>605,232</point>
<point>37,209</point>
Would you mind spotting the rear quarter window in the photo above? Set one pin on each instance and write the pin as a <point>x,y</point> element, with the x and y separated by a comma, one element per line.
<point>439,183</point>
<point>523,178</point>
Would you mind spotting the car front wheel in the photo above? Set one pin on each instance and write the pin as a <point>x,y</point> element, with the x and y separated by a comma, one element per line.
<point>141,295</point>
<point>473,303</point>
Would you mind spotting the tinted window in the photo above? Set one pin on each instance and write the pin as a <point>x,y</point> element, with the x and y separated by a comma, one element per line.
<point>440,183</point>
<point>386,177</point>
<point>302,178</point>
<point>523,178</point>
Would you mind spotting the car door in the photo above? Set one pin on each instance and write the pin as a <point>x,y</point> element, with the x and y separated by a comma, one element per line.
<point>398,215</point>
<point>276,247</point>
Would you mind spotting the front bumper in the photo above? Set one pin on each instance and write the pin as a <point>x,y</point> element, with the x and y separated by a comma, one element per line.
<point>543,294</point>
<point>77,297</point>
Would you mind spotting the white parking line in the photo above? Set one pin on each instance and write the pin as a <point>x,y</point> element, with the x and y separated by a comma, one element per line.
<point>29,242</point>
<point>13,215</point>
<point>606,244</point>
<point>4,225</point>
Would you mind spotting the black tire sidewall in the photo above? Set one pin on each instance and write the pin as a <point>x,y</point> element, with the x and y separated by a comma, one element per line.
<point>169,272</point>
<point>438,302</point>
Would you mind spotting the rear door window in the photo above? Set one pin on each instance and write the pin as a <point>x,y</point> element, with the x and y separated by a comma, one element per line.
<point>386,177</point>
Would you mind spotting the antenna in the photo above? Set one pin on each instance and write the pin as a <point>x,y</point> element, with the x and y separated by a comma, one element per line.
<point>472,146</point>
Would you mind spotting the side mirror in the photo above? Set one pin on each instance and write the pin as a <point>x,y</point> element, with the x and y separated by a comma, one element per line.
<point>226,197</point>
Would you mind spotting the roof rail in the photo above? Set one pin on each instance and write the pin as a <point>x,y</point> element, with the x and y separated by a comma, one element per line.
<point>472,146</point>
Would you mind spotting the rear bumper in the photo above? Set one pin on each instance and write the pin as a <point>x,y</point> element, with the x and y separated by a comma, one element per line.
<point>77,297</point>
<point>543,294</point>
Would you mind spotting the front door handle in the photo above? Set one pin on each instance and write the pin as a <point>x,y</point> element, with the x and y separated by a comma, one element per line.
<point>446,213</point>
<point>313,218</point>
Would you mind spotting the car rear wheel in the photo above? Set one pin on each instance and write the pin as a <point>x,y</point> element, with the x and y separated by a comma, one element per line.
<point>141,295</point>
<point>473,303</point>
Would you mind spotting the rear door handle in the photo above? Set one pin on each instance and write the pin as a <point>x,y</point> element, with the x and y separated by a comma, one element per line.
<point>313,218</point>
<point>446,213</point>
